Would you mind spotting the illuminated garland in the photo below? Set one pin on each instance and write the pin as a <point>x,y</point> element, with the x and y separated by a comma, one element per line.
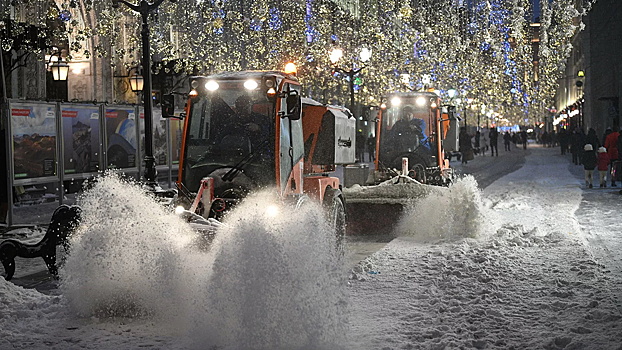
<point>484,52</point>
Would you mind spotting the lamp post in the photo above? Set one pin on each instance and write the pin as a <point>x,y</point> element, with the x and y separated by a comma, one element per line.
<point>145,8</point>
<point>335,55</point>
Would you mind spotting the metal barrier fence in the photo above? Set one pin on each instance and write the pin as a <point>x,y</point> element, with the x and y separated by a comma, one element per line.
<point>51,148</point>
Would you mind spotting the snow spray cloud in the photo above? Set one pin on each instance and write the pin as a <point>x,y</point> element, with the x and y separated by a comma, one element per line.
<point>129,256</point>
<point>277,282</point>
<point>451,214</point>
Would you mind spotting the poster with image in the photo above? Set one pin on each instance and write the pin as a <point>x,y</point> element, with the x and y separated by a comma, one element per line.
<point>33,128</point>
<point>121,139</point>
<point>176,128</point>
<point>81,140</point>
<point>160,152</point>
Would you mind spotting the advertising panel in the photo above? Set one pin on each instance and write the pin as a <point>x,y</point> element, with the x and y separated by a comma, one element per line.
<point>121,143</point>
<point>80,138</point>
<point>176,128</point>
<point>34,133</point>
<point>159,136</point>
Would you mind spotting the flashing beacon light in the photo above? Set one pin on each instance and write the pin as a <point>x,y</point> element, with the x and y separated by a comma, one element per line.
<point>290,68</point>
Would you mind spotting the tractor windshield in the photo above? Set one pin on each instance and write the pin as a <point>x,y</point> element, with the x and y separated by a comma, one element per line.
<point>230,134</point>
<point>406,124</point>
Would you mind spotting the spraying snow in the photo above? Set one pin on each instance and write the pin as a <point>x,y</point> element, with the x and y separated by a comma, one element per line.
<point>451,213</point>
<point>267,281</point>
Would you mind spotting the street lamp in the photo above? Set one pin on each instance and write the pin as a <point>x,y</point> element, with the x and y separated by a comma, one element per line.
<point>58,67</point>
<point>335,56</point>
<point>145,8</point>
<point>137,82</point>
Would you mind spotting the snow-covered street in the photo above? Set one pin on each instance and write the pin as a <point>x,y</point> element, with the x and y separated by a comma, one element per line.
<point>530,262</point>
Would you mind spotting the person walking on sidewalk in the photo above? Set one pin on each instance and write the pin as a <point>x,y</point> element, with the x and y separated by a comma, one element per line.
<point>603,166</point>
<point>611,144</point>
<point>589,164</point>
<point>494,137</point>
<point>507,139</point>
<point>466,147</point>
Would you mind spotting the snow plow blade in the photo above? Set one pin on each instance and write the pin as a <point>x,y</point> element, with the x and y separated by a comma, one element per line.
<point>374,210</point>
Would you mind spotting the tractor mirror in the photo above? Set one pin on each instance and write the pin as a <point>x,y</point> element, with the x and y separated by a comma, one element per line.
<point>293,105</point>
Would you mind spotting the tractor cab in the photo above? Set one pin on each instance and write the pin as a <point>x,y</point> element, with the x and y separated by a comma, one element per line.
<point>411,126</point>
<point>243,132</point>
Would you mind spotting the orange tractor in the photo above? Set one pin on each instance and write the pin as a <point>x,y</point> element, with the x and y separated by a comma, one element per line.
<point>413,128</point>
<point>248,131</point>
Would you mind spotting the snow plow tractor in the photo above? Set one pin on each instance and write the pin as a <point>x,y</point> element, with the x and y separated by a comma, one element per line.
<point>244,133</point>
<point>409,158</point>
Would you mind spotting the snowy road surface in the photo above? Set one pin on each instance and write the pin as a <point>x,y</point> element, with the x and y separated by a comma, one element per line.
<point>531,262</point>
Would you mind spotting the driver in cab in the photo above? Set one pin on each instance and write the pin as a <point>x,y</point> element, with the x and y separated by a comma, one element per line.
<point>249,123</point>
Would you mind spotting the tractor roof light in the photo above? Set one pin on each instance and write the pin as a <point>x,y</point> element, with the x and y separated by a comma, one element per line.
<point>396,101</point>
<point>290,68</point>
<point>193,92</point>
<point>271,92</point>
<point>250,84</point>
<point>421,101</point>
<point>212,85</point>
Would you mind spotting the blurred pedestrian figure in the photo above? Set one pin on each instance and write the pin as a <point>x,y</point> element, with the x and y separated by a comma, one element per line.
<point>576,145</point>
<point>507,138</point>
<point>494,137</point>
<point>611,144</point>
<point>523,137</point>
<point>563,139</point>
<point>371,147</point>
<point>603,166</point>
<point>544,139</point>
<point>592,139</point>
<point>360,146</point>
<point>589,164</point>
<point>477,141</point>
<point>466,148</point>
<point>553,140</point>
<point>484,143</point>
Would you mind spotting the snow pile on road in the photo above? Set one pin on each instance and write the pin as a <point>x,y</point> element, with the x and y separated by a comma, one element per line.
<point>400,190</point>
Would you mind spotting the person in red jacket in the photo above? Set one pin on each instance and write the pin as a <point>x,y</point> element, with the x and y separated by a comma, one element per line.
<point>603,166</point>
<point>611,144</point>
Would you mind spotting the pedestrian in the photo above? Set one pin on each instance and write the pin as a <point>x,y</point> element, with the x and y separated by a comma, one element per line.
<point>485,143</point>
<point>611,144</point>
<point>466,148</point>
<point>507,139</point>
<point>562,136</point>
<point>592,139</point>
<point>494,137</point>
<point>603,166</point>
<point>360,147</point>
<point>478,135</point>
<point>589,164</point>
<point>576,145</point>
<point>523,137</point>
<point>371,147</point>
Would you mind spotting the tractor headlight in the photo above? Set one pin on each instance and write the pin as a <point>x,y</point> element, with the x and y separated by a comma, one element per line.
<point>272,210</point>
